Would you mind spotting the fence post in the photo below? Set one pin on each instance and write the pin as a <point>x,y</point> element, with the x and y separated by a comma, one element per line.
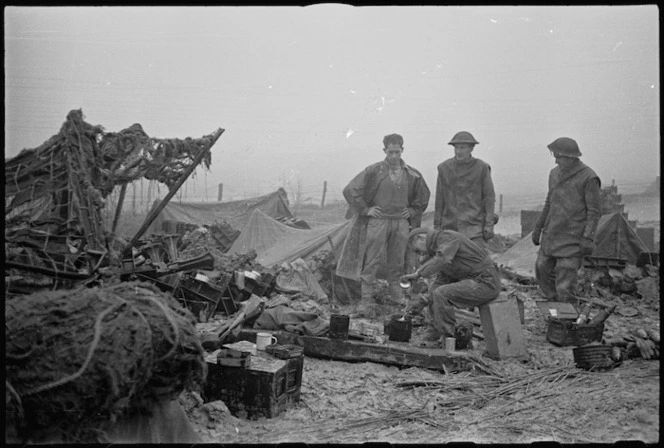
<point>322,201</point>
<point>221,192</point>
<point>500,207</point>
<point>133,199</point>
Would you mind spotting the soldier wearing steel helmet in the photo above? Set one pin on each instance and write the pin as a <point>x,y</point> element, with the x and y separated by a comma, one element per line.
<point>565,230</point>
<point>465,198</point>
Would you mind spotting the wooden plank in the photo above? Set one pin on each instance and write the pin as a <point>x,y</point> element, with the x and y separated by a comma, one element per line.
<point>390,353</point>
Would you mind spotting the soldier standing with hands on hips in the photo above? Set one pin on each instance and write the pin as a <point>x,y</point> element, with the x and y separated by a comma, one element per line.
<point>385,200</point>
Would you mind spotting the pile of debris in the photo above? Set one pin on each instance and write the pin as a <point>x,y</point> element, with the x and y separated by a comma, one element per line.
<point>54,195</point>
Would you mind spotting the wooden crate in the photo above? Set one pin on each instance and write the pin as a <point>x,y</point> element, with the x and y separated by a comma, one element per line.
<point>501,326</point>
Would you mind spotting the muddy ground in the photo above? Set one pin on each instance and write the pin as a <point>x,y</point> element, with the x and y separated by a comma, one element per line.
<point>370,402</point>
<point>545,398</point>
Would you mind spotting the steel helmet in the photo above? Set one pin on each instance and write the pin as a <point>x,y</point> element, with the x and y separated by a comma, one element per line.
<point>565,146</point>
<point>463,137</point>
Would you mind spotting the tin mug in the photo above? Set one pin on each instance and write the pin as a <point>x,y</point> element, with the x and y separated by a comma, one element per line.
<point>450,344</point>
<point>264,339</point>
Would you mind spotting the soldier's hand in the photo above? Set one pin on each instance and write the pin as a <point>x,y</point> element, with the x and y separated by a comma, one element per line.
<point>587,246</point>
<point>375,212</point>
<point>408,277</point>
<point>487,233</point>
<point>536,236</point>
<point>416,305</point>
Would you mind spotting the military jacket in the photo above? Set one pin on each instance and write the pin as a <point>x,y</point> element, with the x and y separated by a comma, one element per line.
<point>454,255</point>
<point>571,211</point>
<point>361,191</point>
<point>465,198</point>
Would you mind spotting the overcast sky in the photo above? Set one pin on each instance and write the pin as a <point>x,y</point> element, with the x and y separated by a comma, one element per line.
<point>306,94</point>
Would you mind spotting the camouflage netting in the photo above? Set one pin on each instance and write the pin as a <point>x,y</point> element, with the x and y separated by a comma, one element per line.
<point>77,360</point>
<point>54,193</point>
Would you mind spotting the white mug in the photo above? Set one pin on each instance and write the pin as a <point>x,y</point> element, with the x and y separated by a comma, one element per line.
<point>264,339</point>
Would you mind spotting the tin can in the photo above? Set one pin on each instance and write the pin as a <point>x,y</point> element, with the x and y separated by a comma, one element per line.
<point>398,328</point>
<point>339,326</point>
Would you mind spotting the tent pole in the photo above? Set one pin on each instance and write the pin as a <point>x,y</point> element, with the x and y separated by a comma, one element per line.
<point>118,208</point>
<point>155,212</point>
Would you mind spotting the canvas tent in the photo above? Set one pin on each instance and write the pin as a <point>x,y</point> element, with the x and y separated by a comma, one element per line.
<point>615,238</point>
<point>261,222</point>
<point>277,243</point>
<point>235,213</point>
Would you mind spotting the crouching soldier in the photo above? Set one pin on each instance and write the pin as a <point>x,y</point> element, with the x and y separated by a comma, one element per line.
<point>465,276</point>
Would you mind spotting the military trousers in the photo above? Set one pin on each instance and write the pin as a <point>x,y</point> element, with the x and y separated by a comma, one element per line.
<point>466,293</point>
<point>557,277</point>
<point>386,244</point>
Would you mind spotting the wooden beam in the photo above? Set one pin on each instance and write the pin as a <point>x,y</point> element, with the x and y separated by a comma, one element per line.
<point>118,207</point>
<point>390,353</point>
<point>171,192</point>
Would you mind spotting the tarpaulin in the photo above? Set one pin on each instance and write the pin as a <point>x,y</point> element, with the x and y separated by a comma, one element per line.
<point>615,238</point>
<point>235,213</point>
<point>276,243</point>
<point>298,278</point>
<point>283,318</point>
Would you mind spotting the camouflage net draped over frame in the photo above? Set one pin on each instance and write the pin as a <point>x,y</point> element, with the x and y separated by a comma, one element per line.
<point>54,193</point>
<point>77,360</point>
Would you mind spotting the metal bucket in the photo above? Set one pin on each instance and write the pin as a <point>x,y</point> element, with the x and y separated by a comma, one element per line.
<point>399,328</point>
<point>339,326</point>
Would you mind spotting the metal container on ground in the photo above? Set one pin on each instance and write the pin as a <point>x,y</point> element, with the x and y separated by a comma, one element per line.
<point>593,357</point>
<point>339,326</point>
<point>294,357</point>
<point>399,328</point>
<point>564,332</point>
<point>253,392</point>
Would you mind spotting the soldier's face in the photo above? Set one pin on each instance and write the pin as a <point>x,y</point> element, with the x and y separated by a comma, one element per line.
<point>419,245</point>
<point>564,162</point>
<point>393,153</point>
<point>462,151</point>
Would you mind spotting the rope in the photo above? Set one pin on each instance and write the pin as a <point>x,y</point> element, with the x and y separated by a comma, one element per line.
<point>93,346</point>
<point>174,326</point>
<point>16,395</point>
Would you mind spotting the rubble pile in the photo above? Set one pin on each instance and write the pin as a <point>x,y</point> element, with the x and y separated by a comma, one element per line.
<point>628,283</point>
<point>202,240</point>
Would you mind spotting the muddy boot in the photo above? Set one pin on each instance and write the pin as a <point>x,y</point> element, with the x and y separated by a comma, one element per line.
<point>432,335</point>
<point>366,299</point>
<point>463,333</point>
<point>372,310</point>
<point>364,306</point>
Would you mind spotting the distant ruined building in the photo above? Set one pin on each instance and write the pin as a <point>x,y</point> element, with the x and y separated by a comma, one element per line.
<point>611,200</point>
<point>653,189</point>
